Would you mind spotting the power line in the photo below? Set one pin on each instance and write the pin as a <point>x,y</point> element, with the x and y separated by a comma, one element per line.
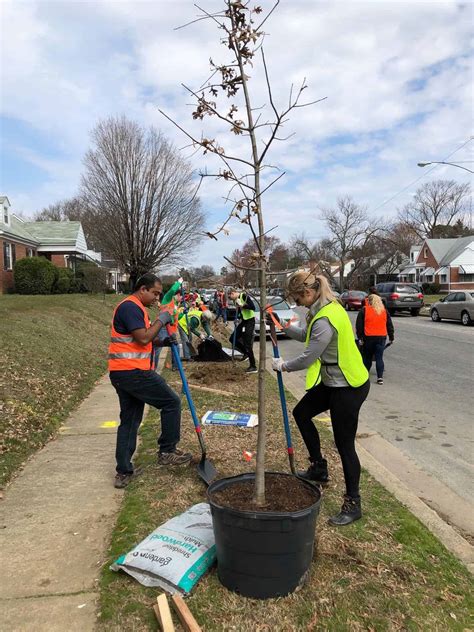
<point>423,175</point>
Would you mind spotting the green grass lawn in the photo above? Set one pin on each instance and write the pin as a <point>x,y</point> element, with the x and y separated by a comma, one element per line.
<point>53,350</point>
<point>429,299</point>
<point>385,572</point>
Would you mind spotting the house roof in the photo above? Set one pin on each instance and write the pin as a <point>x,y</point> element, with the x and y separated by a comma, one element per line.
<point>54,233</point>
<point>459,246</point>
<point>445,250</point>
<point>16,230</point>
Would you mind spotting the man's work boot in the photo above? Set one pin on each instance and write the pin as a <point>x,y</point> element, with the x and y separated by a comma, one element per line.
<point>350,511</point>
<point>176,457</point>
<point>122,480</point>
<point>317,472</point>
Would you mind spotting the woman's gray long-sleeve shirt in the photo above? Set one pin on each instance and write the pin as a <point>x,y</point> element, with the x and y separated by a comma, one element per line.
<point>322,345</point>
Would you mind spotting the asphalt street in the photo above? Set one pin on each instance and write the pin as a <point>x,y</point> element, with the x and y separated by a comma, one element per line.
<point>426,406</point>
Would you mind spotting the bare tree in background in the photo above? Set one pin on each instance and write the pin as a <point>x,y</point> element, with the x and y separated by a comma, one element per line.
<point>62,211</point>
<point>139,194</point>
<point>351,234</point>
<point>436,203</point>
<point>303,251</point>
<point>400,237</point>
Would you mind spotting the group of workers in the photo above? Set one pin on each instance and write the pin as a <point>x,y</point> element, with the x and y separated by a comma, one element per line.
<point>337,371</point>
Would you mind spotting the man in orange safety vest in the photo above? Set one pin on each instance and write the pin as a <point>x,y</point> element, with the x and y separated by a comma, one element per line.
<point>132,375</point>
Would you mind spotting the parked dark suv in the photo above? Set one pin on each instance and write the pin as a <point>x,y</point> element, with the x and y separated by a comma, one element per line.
<point>401,297</point>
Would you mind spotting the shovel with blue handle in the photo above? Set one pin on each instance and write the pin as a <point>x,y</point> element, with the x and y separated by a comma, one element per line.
<point>286,422</point>
<point>205,468</point>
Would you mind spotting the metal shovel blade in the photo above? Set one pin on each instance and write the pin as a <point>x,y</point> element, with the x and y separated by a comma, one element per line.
<point>206,471</point>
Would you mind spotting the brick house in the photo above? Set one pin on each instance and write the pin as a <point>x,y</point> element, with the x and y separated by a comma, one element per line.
<point>63,243</point>
<point>447,262</point>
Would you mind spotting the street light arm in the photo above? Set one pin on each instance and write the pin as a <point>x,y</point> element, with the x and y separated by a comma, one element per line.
<point>442,162</point>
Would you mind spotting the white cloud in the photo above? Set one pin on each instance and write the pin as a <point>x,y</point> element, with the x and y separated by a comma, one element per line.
<point>397,77</point>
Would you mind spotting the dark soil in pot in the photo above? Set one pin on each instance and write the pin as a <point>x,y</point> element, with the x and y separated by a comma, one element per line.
<point>282,493</point>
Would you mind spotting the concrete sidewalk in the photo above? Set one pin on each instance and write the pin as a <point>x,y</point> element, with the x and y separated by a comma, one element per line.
<point>55,521</point>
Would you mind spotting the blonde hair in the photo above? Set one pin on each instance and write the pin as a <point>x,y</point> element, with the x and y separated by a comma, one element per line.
<point>302,280</point>
<point>376,302</point>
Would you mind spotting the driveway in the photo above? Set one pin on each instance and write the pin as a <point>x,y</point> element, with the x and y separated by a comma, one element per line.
<point>423,414</point>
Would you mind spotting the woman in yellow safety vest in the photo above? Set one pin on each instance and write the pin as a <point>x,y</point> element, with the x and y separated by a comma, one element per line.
<point>336,380</point>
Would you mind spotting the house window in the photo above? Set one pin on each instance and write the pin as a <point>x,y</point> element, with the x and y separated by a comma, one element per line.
<point>13,254</point>
<point>30,252</point>
<point>466,278</point>
<point>429,278</point>
<point>5,214</point>
<point>443,278</point>
<point>7,256</point>
<point>425,253</point>
<point>412,256</point>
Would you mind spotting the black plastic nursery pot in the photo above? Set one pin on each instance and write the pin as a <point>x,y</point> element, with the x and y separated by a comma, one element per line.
<point>263,554</point>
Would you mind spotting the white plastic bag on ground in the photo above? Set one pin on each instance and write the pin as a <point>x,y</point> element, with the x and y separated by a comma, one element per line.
<point>176,555</point>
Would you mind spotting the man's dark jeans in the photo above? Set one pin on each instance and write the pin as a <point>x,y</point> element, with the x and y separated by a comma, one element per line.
<point>135,389</point>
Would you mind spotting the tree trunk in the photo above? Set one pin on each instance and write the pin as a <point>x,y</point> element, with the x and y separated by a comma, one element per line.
<point>259,497</point>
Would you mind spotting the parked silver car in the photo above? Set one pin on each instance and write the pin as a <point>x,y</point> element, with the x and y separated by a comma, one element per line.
<point>454,306</point>
<point>282,310</point>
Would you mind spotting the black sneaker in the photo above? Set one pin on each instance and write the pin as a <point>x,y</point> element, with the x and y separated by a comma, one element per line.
<point>176,457</point>
<point>350,511</point>
<point>317,472</point>
<point>380,380</point>
<point>251,369</point>
<point>243,357</point>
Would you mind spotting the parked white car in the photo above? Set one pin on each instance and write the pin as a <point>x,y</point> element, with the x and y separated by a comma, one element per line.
<point>455,306</point>
<point>283,311</point>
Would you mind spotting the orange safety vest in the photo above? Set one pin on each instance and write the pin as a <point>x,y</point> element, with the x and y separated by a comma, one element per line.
<point>374,324</point>
<point>174,313</point>
<point>125,354</point>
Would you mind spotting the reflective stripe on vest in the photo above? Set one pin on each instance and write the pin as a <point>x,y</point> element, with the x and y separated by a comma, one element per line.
<point>185,319</point>
<point>349,358</point>
<point>125,354</point>
<point>246,313</point>
<point>375,324</point>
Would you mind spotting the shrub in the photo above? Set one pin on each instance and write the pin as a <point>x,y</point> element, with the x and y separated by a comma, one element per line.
<point>34,275</point>
<point>64,281</point>
<point>431,288</point>
<point>92,278</point>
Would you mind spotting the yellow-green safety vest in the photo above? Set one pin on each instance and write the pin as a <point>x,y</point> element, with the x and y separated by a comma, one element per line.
<point>246,313</point>
<point>349,357</point>
<point>184,319</point>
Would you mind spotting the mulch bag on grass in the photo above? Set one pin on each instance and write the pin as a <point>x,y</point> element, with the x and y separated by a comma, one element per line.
<point>176,555</point>
<point>211,351</point>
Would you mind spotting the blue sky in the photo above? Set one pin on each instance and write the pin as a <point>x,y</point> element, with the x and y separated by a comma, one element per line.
<point>397,77</point>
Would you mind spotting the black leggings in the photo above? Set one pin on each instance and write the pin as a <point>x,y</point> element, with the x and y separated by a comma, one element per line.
<point>244,339</point>
<point>344,405</point>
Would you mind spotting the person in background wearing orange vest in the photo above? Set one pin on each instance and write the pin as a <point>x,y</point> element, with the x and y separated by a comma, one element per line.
<point>132,375</point>
<point>373,324</point>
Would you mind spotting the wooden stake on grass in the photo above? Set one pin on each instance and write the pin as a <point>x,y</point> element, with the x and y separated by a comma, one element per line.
<point>163,613</point>
<point>185,615</point>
